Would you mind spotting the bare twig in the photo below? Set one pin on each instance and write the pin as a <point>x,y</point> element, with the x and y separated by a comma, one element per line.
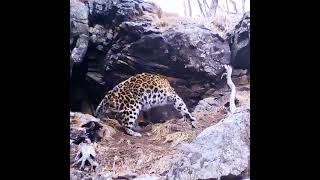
<point>190,10</point>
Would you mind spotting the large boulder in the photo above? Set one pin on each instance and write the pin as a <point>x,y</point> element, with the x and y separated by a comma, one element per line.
<point>106,17</point>
<point>190,56</point>
<point>178,51</point>
<point>220,150</point>
<point>197,48</point>
<point>239,41</point>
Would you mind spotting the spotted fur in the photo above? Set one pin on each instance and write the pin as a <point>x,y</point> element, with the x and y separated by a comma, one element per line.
<point>139,93</point>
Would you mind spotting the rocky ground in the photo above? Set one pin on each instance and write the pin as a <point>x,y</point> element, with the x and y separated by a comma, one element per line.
<point>112,40</point>
<point>155,154</point>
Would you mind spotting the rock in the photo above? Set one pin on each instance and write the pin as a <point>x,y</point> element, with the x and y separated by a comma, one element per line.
<point>80,49</point>
<point>210,105</point>
<point>239,41</point>
<point>220,150</point>
<point>79,30</point>
<point>102,11</point>
<point>80,119</point>
<point>83,175</point>
<point>78,18</point>
<point>106,18</point>
<point>177,52</point>
<point>187,53</point>
<point>99,34</point>
<point>197,48</point>
<point>84,126</point>
<point>76,175</point>
<point>107,12</point>
<point>104,176</point>
<point>217,102</point>
<point>148,177</point>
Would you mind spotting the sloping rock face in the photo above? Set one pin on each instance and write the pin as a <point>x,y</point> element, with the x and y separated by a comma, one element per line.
<point>219,150</point>
<point>240,43</point>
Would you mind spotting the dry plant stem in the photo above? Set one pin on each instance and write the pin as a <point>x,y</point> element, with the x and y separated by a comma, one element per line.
<point>232,87</point>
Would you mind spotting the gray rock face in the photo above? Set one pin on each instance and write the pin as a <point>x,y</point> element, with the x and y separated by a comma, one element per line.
<point>180,50</point>
<point>148,177</point>
<point>80,49</point>
<point>79,30</point>
<point>218,151</point>
<point>198,48</point>
<point>240,43</point>
<point>114,12</point>
<point>211,105</point>
<point>78,18</point>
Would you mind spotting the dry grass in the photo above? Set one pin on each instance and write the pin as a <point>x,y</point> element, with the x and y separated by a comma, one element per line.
<point>179,137</point>
<point>172,133</point>
<point>159,131</point>
<point>221,23</point>
<point>153,153</point>
<point>108,132</point>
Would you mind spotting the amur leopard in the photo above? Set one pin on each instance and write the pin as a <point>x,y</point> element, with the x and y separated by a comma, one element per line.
<point>140,93</point>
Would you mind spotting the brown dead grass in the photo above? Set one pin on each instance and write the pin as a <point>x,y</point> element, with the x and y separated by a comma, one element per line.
<point>172,133</point>
<point>222,24</point>
<point>153,153</point>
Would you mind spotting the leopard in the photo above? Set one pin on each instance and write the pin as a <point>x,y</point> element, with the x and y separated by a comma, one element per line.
<point>139,93</point>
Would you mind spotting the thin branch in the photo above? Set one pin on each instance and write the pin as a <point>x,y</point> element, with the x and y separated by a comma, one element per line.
<point>227,6</point>
<point>201,9</point>
<point>185,8</point>
<point>190,10</point>
<point>234,6</point>
<point>205,3</point>
<point>213,7</point>
<point>243,6</point>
